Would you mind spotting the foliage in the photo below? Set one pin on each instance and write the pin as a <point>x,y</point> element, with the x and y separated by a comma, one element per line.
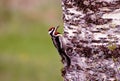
<point>26,51</point>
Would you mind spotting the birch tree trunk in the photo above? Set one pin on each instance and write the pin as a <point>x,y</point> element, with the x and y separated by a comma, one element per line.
<point>93,30</point>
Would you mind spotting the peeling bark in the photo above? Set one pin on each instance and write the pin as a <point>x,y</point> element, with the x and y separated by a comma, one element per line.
<point>92,28</point>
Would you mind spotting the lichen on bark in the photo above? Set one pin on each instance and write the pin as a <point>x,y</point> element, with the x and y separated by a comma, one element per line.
<point>92,28</point>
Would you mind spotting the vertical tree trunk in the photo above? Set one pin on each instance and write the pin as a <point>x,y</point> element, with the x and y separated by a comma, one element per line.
<point>93,29</point>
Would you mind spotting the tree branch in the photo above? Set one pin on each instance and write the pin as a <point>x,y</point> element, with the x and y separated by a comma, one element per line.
<point>92,28</point>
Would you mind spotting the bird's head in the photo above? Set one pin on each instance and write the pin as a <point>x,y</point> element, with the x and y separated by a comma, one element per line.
<point>53,31</point>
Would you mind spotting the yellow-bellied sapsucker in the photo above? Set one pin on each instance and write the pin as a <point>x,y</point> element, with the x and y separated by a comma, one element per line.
<point>59,43</point>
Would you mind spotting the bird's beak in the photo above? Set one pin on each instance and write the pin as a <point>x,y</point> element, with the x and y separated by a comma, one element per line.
<point>57,27</point>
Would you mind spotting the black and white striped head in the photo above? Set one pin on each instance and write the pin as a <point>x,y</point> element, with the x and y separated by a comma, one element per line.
<point>53,31</point>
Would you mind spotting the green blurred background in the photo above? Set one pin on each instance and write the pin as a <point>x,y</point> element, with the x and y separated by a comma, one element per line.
<point>26,50</point>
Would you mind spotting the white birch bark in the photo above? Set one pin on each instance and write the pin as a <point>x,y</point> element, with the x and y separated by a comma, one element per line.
<point>93,30</point>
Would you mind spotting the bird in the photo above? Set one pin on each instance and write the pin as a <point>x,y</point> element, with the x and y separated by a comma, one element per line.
<point>59,43</point>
